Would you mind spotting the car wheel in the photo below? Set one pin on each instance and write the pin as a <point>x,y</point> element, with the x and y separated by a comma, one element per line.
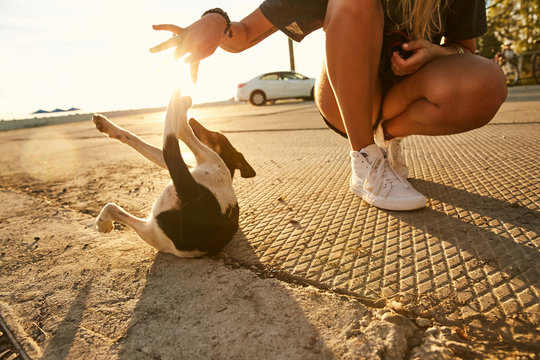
<point>310,97</point>
<point>257,98</point>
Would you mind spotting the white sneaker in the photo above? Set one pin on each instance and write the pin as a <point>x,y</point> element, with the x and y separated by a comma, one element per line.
<point>378,184</point>
<point>392,149</point>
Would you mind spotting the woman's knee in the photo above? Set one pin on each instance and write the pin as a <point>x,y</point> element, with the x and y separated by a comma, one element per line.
<point>494,83</point>
<point>484,90</point>
<point>485,79</point>
<point>472,87</point>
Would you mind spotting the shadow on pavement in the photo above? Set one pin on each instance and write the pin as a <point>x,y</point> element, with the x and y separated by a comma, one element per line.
<point>60,344</point>
<point>199,309</point>
<point>504,211</point>
<point>488,232</point>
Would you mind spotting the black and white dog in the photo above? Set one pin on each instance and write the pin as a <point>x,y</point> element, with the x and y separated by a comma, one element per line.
<point>197,213</point>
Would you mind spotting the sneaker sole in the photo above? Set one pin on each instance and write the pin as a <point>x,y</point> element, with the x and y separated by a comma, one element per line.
<point>406,205</point>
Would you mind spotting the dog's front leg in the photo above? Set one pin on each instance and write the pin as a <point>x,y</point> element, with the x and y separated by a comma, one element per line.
<point>143,227</point>
<point>152,153</point>
<point>112,212</point>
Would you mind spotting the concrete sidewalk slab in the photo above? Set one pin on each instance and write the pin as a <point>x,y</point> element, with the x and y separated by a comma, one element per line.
<point>467,264</point>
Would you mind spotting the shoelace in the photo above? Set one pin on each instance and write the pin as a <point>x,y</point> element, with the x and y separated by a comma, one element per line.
<point>379,173</point>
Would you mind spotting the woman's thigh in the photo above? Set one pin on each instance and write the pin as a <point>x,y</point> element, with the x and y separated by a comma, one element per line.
<point>458,92</point>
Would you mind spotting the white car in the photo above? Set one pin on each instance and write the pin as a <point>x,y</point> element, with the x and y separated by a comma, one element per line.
<point>276,85</point>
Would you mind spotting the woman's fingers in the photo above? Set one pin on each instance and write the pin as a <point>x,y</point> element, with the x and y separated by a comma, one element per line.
<point>401,66</point>
<point>414,45</point>
<point>398,64</point>
<point>193,66</point>
<point>172,42</point>
<point>188,40</point>
<point>194,69</point>
<point>422,53</point>
<point>168,27</point>
<point>176,40</point>
<point>180,51</point>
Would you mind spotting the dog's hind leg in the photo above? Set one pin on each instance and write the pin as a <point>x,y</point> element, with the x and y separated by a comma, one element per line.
<point>152,153</point>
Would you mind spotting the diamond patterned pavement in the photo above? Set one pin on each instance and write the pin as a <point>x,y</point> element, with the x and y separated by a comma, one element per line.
<point>472,251</point>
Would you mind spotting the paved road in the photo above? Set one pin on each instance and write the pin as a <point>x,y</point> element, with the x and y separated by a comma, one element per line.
<point>459,278</point>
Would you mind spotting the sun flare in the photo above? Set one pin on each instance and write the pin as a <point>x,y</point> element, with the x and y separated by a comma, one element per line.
<point>39,156</point>
<point>95,67</point>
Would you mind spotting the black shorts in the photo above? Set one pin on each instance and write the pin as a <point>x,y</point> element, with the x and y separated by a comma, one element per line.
<point>332,127</point>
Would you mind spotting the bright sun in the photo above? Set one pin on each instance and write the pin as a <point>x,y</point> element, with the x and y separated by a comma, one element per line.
<point>106,65</point>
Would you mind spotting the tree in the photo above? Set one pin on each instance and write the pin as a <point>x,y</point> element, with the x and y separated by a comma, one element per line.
<point>516,20</point>
<point>489,45</point>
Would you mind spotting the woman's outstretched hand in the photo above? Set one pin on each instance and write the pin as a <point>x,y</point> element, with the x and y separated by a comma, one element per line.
<point>199,40</point>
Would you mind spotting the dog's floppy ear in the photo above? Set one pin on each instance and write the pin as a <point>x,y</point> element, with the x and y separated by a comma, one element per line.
<point>207,137</point>
<point>222,146</point>
<point>246,171</point>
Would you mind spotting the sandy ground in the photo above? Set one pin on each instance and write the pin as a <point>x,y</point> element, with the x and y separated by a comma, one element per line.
<point>67,291</point>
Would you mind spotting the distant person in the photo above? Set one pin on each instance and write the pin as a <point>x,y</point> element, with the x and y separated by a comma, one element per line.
<point>428,85</point>
<point>506,54</point>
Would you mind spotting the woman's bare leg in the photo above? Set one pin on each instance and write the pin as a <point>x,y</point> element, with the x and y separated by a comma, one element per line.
<point>327,104</point>
<point>449,95</point>
<point>349,94</point>
<point>353,45</point>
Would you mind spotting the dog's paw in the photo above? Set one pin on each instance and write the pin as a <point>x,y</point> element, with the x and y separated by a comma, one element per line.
<point>101,122</point>
<point>105,126</point>
<point>104,226</point>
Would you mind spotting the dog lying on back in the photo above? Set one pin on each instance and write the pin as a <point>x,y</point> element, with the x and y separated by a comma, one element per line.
<point>197,213</point>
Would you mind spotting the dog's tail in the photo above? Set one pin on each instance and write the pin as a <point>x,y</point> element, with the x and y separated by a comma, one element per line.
<point>186,187</point>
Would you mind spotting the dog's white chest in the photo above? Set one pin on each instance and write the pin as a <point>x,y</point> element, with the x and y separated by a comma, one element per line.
<point>167,200</point>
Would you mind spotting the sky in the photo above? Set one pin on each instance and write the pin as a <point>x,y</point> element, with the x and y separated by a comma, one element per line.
<point>93,55</point>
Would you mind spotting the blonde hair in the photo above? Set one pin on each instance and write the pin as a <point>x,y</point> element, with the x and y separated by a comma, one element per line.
<point>422,17</point>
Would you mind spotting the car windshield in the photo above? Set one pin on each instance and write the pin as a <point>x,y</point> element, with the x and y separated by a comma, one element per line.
<point>270,77</point>
<point>283,76</point>
<point>293,76</point>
